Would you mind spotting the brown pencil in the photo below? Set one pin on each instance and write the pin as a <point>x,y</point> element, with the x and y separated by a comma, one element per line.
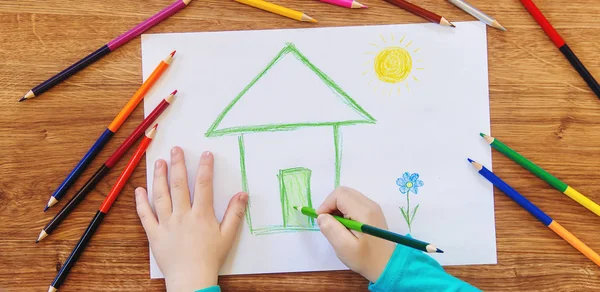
<point>421,12</point>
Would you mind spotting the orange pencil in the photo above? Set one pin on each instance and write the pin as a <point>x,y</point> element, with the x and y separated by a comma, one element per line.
<point>104,208</point>
<point>109,132</point>
<point>141,93</point>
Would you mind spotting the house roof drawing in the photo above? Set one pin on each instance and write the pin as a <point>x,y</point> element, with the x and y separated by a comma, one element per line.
<point>289,93</point>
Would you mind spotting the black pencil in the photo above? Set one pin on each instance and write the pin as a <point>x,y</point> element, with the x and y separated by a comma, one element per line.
<point>83,241</point>
<point>562,46</point>
<point>107,48</point>
<point>106,167</point>
<point>64,74</point>
<point>102,211</point>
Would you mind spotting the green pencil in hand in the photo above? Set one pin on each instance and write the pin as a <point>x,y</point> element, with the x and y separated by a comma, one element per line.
<point>377,232</point>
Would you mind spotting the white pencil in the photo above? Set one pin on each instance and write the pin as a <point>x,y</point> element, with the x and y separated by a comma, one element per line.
<point>468,8</point>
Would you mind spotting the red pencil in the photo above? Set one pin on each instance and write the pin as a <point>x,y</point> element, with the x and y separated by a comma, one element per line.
<point>562,45</point>
<point>104,208</point>
<point>106,167</point>
<point>422,12</point>
<point>131,165</point>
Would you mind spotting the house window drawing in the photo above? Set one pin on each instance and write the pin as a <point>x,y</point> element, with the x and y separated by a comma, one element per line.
<point>288,112</point>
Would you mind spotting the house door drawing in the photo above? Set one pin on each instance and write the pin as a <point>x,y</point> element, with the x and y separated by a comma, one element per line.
<point>294,190</point>
<point>288,108</point>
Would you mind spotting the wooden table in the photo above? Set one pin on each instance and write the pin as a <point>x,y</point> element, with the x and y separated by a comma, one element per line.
<point>539,105</point>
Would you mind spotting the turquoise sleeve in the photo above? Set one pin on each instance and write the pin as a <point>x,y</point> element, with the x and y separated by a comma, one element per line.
<point>412,270</point>
<point>210,289</point>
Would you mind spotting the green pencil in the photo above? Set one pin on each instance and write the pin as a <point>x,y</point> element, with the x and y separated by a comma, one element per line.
<point>541,173</point>
<point>377,232</point>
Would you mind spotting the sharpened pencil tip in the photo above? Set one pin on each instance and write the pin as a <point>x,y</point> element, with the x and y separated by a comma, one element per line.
<point>452,24</point>
<point>296,207</point>
<point>46,208</point>
<point>358,5</point>
<point>482,135</point>
<point>439,251</point>
<point>150,134</point>
<point>173,53</point>
<point>43,235</point>
<point>22,99</point>
<point>174,92</point>
<point>36,242</point>
<point>476,164</point>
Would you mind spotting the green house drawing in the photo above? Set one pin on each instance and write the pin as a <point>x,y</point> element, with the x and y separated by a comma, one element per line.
<point>294,183</point>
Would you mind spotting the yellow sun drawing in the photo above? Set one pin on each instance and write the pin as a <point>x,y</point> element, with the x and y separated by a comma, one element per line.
<point>394,64</point>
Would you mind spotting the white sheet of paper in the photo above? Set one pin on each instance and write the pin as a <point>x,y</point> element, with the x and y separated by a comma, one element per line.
<point>422,113</point>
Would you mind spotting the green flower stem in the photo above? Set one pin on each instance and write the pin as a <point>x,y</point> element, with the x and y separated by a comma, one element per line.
<point>408,209</point>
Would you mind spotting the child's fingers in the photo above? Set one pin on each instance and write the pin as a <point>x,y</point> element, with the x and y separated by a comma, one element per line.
<point>233,216</point>
<point>203,194</point>
<point>180,191</point>
<point>145,213</point>
<point>329,205</point>
<point>160,191</point>
<point>342,240</point>
<point>342,199</point>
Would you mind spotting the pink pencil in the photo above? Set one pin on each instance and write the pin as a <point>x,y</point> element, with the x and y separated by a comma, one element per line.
<point>106,49</point>
<point>148,23</point>
<point>345,3</point>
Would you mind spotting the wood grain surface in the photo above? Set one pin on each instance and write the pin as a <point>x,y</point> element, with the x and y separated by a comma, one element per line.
<point>539,106</point>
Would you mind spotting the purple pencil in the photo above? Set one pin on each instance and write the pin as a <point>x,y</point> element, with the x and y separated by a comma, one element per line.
<point>106,49</point>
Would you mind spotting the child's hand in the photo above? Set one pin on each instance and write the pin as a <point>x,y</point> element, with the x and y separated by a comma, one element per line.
<point>189,244</point>
<point>364,254</point>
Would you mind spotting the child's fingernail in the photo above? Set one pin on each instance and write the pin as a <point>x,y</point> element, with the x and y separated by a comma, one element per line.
<point>158,164</point>
<point>206,154</point>
<point>175,150</point>
<point>244,198</point>
<point>139,191</point>
<point>320,219</point>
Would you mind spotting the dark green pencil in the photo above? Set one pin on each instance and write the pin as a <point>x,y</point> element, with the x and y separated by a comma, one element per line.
<point>377,232</point>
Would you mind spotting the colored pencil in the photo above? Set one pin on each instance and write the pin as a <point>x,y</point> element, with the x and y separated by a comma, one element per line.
<point>422,12</point>
<point>106,49</point>
<point>106,167</point>
<point>562,45</point>
<point>345,3</point>
<point>102,211</point>
<point>468,8</point>
<point>273,8</point>
<point>537,213</point>
<point>377,232</point>
<point>110,131</point>
<point>541,173</point>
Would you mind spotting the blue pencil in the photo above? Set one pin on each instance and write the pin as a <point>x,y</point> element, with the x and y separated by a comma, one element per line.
<point>110,131</point>
<point>79,168</point>
<point>537,213</point>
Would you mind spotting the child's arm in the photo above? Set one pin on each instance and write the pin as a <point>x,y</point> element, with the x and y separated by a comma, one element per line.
<point>187,241</point>
<point>413,270</point>
<point>387,266</point>
<point>210,289</point>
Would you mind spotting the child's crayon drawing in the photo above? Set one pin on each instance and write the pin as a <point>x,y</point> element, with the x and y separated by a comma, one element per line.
<point>409,183</point>
<point>393,64</point>
<point>294,183</point>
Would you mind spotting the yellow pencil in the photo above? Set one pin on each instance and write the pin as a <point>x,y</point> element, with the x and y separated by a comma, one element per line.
<point>266,6</point>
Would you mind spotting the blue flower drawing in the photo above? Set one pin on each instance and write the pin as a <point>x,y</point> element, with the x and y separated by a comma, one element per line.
<point>409,183</point>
